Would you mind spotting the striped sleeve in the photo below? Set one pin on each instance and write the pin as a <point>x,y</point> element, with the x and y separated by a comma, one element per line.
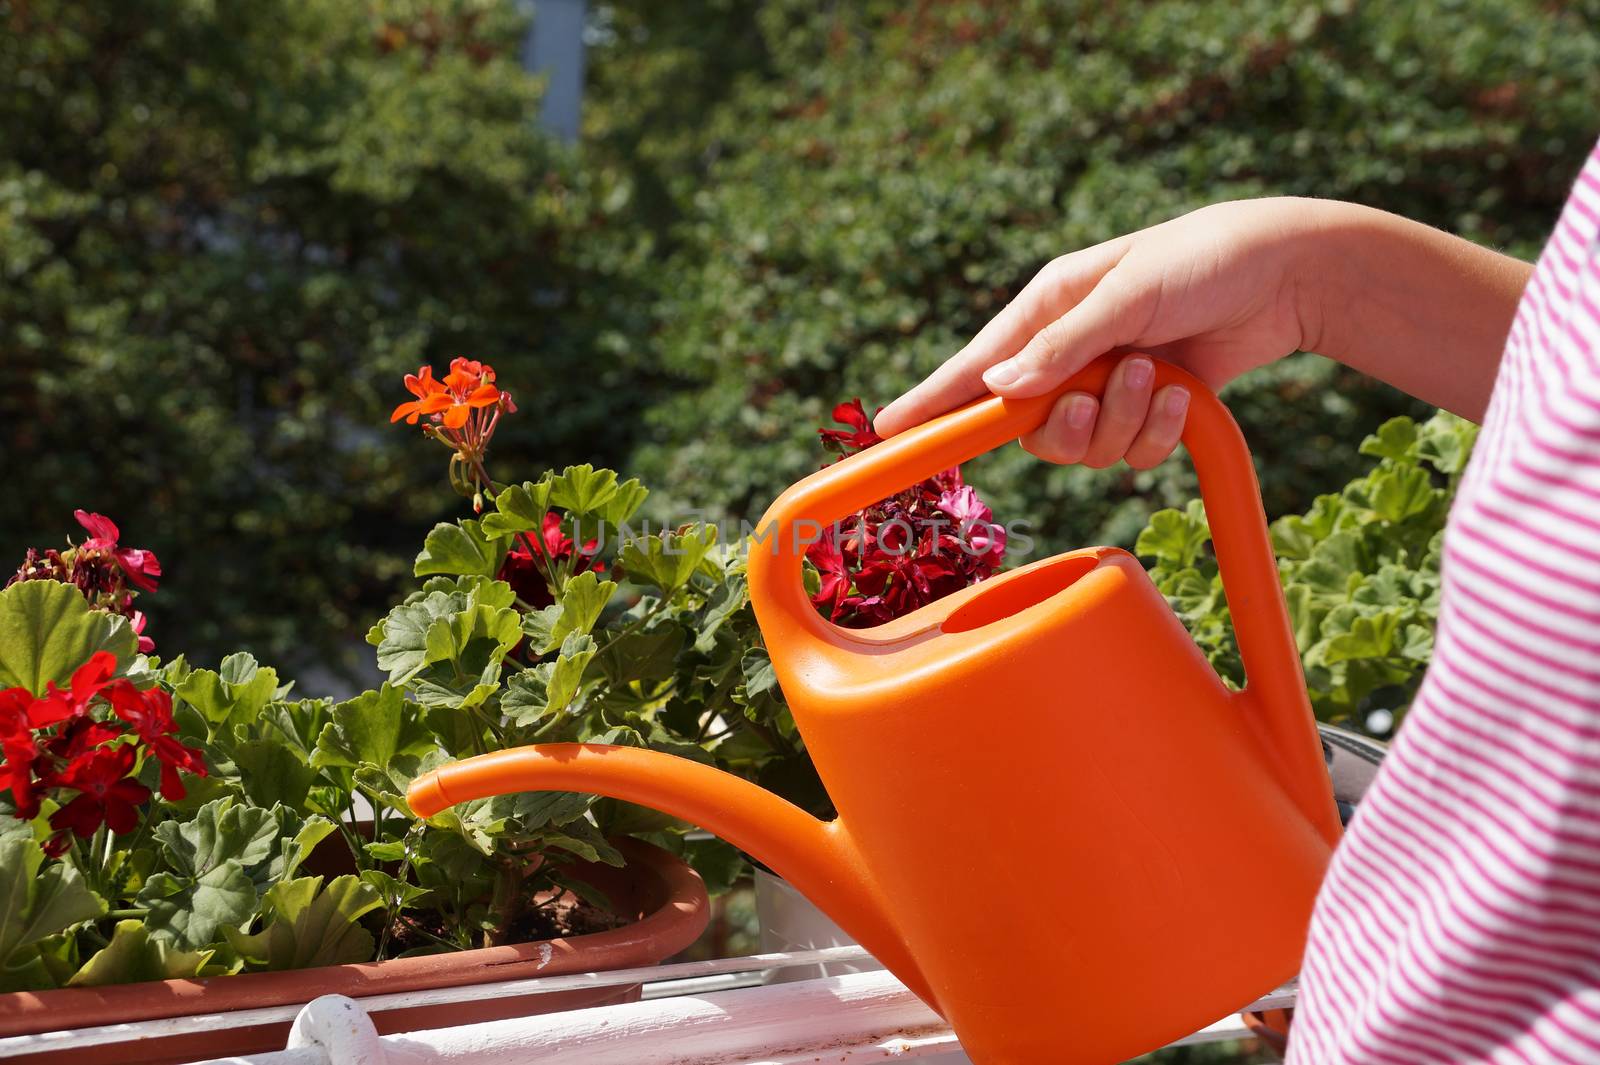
<point>1460,919</point>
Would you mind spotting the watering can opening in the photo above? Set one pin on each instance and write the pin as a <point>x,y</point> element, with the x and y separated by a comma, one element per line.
<point>1000,598</point>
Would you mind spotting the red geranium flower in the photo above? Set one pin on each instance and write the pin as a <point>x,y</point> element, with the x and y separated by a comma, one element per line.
<point>106,794</point>
<point>18,751</point>
<point>524,567</point>
<point>65,739</point>
<point>903,552</point>
<point>87,681</point>
<point>150,714</point>
<point>103,570</point>
<point>829,560</point>
<point>858,437</point>
<point>140,566</point>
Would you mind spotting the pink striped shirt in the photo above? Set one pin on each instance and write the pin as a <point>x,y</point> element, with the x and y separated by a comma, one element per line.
<point>1460,920</point>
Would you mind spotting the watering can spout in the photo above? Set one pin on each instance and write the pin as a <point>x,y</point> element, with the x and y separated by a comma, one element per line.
<point>817,857</point>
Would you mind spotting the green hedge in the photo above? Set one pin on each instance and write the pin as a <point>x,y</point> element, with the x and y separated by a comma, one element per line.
<point>227,229</point>
<point>900,170</point>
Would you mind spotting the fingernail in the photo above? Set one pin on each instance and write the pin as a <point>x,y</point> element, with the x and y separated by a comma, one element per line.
<point>1138,372</point>
<point>1080,412</point>
<point>1001,374</point>
<point>1177,400</point>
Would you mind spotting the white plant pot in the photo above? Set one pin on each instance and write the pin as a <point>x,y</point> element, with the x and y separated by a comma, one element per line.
<point>791,922</point>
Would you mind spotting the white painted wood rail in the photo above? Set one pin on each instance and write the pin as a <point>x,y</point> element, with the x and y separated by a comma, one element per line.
<point>700,1012</point>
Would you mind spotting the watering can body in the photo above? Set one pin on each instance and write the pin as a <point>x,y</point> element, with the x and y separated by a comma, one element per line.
<point>1055,823</point>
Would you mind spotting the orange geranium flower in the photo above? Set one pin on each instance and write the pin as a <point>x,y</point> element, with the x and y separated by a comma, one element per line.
<point>467,387</point>
<point>460,412</point>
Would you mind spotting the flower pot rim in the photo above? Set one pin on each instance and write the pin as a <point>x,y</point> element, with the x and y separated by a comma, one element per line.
<point>670,927</point>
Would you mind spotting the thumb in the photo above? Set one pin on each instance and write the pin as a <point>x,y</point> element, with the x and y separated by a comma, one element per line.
<point>1064,346</point>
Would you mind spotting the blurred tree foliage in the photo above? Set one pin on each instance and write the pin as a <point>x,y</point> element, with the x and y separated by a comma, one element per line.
<point>227,228</point>
<point>894,172</point>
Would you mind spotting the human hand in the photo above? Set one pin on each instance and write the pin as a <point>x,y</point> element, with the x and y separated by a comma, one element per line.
<point>1217,292</point>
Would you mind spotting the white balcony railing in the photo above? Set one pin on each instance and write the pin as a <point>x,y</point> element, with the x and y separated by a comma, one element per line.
<point>701,1012</point>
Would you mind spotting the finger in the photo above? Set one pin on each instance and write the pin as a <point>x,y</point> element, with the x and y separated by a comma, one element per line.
<point>1051,293</point>
<point>1163,428</point>
<point>1123,410</point>
<point>1067,344</point>
<point>1064,436</point>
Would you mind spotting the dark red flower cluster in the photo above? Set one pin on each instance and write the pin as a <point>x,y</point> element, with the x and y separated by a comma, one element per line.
<point>524,567</point>
<point>88,739</point>
<point>107,573</point>
<point>907,551</point>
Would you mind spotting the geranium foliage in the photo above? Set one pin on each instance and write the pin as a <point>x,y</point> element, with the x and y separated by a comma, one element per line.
<point>1360,572</point>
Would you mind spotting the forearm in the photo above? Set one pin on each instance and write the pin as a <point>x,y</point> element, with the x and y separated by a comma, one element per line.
<point>1408,304</point>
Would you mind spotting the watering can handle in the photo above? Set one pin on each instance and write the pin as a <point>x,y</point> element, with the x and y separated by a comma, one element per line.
<point>1228,486</point>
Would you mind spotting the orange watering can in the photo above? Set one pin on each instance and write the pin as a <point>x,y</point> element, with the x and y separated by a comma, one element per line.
<point>1056,825</point>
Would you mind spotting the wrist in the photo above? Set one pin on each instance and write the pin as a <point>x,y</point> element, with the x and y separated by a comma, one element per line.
<point>1330,245</point>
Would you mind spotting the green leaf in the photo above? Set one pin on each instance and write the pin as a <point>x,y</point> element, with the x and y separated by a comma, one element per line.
<point>1446,442</point>
<point>527,698</point>
<point>726,601</point>
<point>1397,494</point>
<point>436,688</point>
<point>209,887</point>
<point>191,912</point>
<point>622,506</point>
<point>537,626</point>
<point>529,812</point>
<point>271,771</point>
<point>296,840</point>
<point>395,895</point>
<point>1175,538</point>
<point>1368,637</point>
<point>582,600</point>
<point>47,630</point>
<point>569,668</point>
<point>651,655</point>
<point>1294,536</point>
<point>34,905</point>
<point>135,955</point>
<point>470,624</point>
<point>461,548</point>
<point>583,839</point>
<point>759,676</point>
<point>299,722</point>
<point>1418,644</point>
<point>1335,566</point>
<point>403,638</point>
<point>669,559</point>
<point>1396,440</point>
<point>237,694</point>
<point>219,831</point>
<point>583,490</point>
<point>374,727</point>
<point>719,863</point>
<point>519,509</point>
<point>310,925</point>
<point>41,966</point>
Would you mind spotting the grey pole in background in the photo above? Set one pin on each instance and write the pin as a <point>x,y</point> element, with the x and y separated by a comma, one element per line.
<point>554,48</point>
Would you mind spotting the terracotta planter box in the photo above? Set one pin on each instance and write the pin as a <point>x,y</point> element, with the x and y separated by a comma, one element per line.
<point>664,895</point>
